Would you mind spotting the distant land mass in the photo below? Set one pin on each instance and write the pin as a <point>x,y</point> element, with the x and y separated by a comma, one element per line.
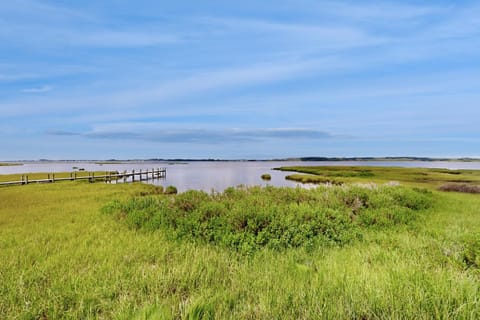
<point>385,159</point>
<point>306,159</point>
<point>332,159</point>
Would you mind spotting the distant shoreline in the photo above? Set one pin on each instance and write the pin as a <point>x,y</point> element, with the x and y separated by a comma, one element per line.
<point>303,159</point>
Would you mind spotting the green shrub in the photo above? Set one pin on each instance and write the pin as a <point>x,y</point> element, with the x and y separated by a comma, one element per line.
<point>171,190</point>
<point>247,219</point>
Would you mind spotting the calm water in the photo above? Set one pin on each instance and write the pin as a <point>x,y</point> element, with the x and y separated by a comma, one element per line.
<point>219,175</point>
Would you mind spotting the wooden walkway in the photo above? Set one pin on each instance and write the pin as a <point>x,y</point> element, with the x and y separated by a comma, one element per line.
<point>107,177</point>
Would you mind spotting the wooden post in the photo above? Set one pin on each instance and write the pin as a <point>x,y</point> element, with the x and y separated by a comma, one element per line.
<point>53,177</point>
<point>21,179</point>
<point>74,176</point>
<point>26,179</point>
<point>124,176</point>
<point>133,175</point>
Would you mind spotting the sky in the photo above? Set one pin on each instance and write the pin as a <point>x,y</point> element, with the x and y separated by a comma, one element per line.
<point>238,79</point>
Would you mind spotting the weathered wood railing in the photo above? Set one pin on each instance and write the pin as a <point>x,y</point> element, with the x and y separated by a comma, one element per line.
<point>107,177</point>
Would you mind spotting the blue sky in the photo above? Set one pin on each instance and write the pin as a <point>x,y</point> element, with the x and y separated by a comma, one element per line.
<point>239,79</point>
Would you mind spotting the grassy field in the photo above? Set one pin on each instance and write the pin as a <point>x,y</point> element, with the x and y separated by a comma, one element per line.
<point>62,256</point>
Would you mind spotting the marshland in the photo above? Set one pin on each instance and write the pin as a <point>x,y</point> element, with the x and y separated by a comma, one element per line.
<point>379,243</point>
<point>321,159</point>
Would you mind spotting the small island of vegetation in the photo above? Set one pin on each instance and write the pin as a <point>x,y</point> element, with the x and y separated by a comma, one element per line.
<point>266,177</point>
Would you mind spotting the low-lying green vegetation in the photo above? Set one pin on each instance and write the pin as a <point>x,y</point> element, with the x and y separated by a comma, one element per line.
<point>248,219</point>
<point>266,176</point>
<point>171,190</point>
<point>411,176</point>
<point>3,164</point>
<point>311,178</point>
<point>404,253</point>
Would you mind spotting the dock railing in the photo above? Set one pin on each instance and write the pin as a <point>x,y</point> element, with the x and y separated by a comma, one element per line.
<point>107,177</point>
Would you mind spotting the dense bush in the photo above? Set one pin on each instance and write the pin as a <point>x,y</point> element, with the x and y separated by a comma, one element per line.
<point>250,218</point>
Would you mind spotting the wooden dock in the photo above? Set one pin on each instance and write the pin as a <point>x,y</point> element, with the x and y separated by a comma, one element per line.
<point>107,177</point>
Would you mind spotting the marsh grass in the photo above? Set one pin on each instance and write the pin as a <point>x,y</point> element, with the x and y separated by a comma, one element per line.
<point>411,176</point>
<point>310,178</point>
<point>60,258</point>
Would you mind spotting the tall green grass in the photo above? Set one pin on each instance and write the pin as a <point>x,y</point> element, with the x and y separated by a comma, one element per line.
<point>60,258</point>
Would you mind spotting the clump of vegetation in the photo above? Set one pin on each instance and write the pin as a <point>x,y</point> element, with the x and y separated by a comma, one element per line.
<point>247,219</point>
<point>153,190</point>
<point>310,178</point>
<point>266,177</point>
<point>171,190</point>
<point>465,188</point>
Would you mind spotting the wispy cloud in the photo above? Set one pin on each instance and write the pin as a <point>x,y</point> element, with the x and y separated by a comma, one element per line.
<point>305,35</point>
<point>109,38</point>
<point>41,89</point>
<point>53,132</point>
<point>199,82</point>
<point>203,136</point>
<point>59,26</point>
<point>375,12</point>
